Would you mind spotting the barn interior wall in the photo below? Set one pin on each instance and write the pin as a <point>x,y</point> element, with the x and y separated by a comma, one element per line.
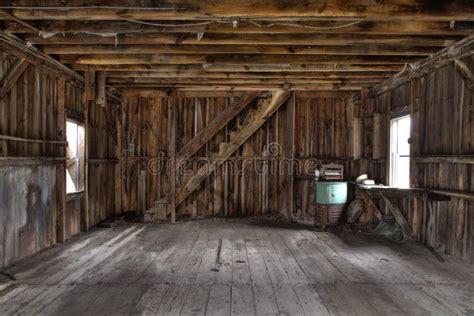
<point>128,142</point>
<point>442,127</point>
<point>257,179</point>
<point>32,171</point>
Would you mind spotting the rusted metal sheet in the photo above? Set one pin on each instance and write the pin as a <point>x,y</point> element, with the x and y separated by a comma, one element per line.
<point>27,211</point>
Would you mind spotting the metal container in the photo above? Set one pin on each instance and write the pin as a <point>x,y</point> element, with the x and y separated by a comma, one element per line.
<point>328,215</point>
<point>331,192</point>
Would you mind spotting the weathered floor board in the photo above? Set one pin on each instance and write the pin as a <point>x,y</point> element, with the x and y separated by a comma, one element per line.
<point>235,266</point>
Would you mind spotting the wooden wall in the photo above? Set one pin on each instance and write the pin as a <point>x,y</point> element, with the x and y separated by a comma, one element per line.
<point>103,161</point>
<point>441,108</point>
<point>32,174</point>
<point>27,186</point>
<point>323,132</point>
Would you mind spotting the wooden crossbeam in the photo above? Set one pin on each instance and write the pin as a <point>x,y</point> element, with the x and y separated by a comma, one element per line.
<point>12,76</point>
<point>379,50</point>
<point>461,28</point>
<point>214,68</point>
<point>245,39</point>
<point>97,59</point>
<point>241,80</point>
<point>408,10</point>
<point>215,126</point>
<point>270,107</point>
<point>353,86</point>
<point>241,75</point>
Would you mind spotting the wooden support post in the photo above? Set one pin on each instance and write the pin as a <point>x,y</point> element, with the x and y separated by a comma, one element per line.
<point>89,95</point>
<point>86,166</point>
<point>119,157</point>
<point>172,156</point>
<point>100,93</point>
<point>289,153</point>
<point>415,129</point>
<point>61,169</point>
<point>378,147</point>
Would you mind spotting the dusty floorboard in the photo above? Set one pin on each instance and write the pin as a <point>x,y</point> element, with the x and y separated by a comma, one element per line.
<point>237,266</point>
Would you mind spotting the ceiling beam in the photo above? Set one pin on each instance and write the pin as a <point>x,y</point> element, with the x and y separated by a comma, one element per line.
<point>215,68</point>
<point>391,10</point>
<point>234,75</point>
<point>240,49</point>
<point>460,28</point>
<point>247,87</point>
<point>233,59</point>
<point>244,39</point>
<point>236,80</point>
<point>256,82</point>
<point>164,93</point>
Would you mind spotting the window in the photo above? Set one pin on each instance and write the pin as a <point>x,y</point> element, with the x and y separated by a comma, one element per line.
<point>75,135</point>
<point>400,152</point>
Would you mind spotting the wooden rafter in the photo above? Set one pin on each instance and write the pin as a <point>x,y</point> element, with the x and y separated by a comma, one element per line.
<point>460,49</point>
<point>246,75</point>
<point>244,39</point>
<point>138,49</point>
<point>36,57</point>
<point>409,10</point>
<point>461,28</point>
<point>97,59</point>
<point>291,67</point>
<point>248,36</point>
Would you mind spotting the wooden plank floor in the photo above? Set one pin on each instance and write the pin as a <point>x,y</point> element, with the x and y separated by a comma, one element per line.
<point>236,266</point>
